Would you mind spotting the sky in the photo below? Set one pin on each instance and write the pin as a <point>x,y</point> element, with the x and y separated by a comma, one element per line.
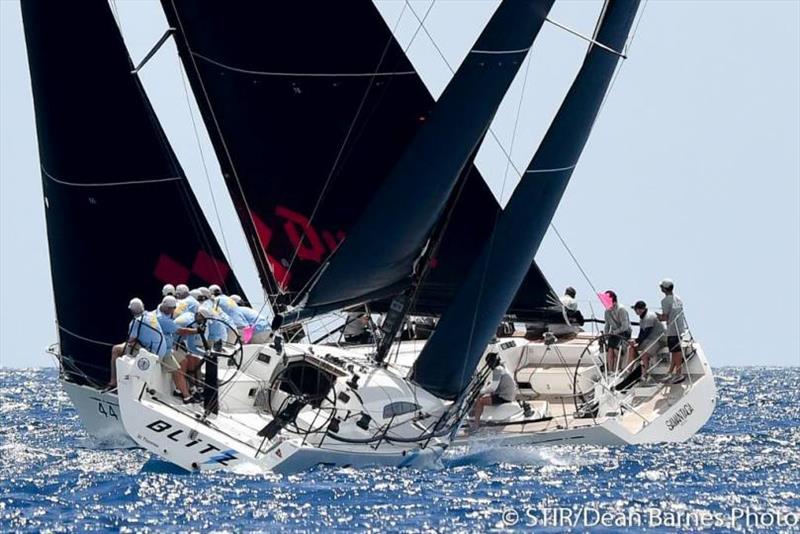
<point>692,171</point>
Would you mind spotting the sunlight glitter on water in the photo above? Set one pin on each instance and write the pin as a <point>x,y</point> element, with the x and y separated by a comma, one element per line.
<point>748,455</point>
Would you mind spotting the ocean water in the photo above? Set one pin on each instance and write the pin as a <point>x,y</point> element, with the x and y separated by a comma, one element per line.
<point>740,473</point>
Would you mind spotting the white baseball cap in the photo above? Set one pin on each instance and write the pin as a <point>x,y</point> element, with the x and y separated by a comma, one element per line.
<point>169,301</point>
<point>666,283</point>
<point>168,289</point>
<point>205,292</point>
<point>205,313</point>
<point>236,298</point>
<point>136,306</point>
<point>215,290</point>
<point>195,293</point>
<point>181,291</point>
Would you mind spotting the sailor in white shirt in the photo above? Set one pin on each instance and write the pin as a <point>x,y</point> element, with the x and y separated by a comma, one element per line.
<point>672,314</point>
<point>503,388</point>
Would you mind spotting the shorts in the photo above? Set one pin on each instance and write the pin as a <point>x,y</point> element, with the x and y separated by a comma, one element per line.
<point>171,362</point>
<point>614,341</point>
<point>674,343</point>
<point>497,399</point>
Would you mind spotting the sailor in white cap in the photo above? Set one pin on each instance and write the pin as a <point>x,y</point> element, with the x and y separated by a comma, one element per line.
<point>215,290</point>
<point>237,299</point>
<point>672,314</point>
<point>168,289</point>
<point>181,291</point>
<point>143,332</point>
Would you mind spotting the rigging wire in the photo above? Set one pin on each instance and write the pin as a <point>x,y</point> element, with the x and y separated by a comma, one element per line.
<point>259,257</point>
<point>340,153</point>
<point>203,160</point>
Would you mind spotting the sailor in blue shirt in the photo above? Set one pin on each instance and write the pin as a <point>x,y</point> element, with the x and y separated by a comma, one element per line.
<point>261,327</point>
<point>146,331</point>
<point>218,322</point>
<point>186,301</point>
<point>136,307</point>
<point>189,363</point>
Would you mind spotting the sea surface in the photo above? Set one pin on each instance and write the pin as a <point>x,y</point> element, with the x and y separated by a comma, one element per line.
<point>741,473</point>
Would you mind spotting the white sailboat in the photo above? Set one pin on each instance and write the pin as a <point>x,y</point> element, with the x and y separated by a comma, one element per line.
<point>399,247</point>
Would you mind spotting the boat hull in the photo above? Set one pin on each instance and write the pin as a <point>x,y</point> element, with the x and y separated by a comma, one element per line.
<point>100,416</point>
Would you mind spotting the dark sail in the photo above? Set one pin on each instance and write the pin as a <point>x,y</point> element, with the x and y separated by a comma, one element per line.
<point>380,251</point>
<point>121,217</point>
<point>451,355</point>
<point>469,227</point>
<point>309,105</point>
<point>316,103</point>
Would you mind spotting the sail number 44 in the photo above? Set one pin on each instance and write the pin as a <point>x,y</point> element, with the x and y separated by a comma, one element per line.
<point>106,408</point>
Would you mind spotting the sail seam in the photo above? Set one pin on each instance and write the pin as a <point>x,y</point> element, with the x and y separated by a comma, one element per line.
<point>535,171</point>
<point>303,74</point>
<point>517,51</point>
<point>130,182</point>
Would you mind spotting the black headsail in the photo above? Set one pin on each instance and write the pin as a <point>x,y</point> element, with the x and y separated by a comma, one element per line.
<point>451,355</point>
<point>121,217</point>
<point>309,106</point>
<point>379,254</point>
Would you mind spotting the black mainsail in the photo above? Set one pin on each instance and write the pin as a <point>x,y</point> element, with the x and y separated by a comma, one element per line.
<point>121,217</point>
<point>448,360</point>
<point>309,107</point>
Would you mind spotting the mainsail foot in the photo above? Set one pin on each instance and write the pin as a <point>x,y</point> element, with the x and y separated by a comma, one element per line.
<point>292,408</point>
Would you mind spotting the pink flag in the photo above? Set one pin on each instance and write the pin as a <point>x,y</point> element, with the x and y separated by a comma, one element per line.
<point>247,334</point>
<point>606,300</point>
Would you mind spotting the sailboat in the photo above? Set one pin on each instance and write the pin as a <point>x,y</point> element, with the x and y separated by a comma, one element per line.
<point>331,151</point>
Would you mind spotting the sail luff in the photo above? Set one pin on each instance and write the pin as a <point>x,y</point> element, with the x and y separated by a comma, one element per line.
<point>448,360</point>
<point>381,249</point>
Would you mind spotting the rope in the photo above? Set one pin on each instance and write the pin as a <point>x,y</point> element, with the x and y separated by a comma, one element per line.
<point>577,263</point>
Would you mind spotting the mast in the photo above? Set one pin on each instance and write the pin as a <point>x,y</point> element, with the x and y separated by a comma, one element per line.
<point>449,358</point>
<point>121,217</point>
<point>379,255</point>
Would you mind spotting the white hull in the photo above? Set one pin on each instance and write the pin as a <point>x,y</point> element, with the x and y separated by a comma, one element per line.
<point>666,413</point>
<point>99,413</point>
<point>234,438</point>
<point>653,413</point>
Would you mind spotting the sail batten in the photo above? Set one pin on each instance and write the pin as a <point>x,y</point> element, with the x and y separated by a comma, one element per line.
<point>449,358</point>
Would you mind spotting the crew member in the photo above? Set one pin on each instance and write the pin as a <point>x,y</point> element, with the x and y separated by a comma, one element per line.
<point>672,314</point>
<point>258,322</point>
<point>168,289</point>
<point>617,328</point>
<point>172,330</point>
<point>356,328</point>
<point>650,339</point>
<point>568,304</point>
<point>503,388</point>
<point>143,332</point>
